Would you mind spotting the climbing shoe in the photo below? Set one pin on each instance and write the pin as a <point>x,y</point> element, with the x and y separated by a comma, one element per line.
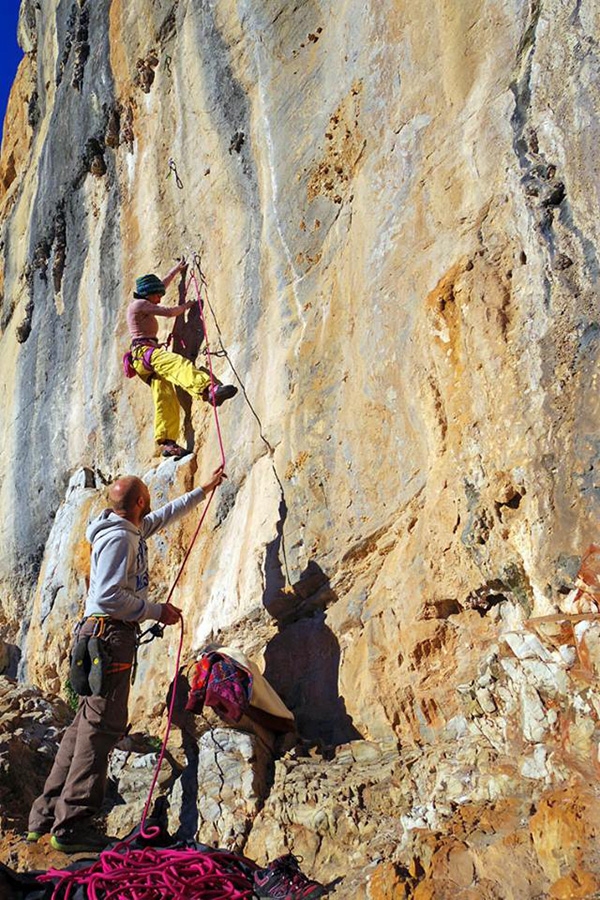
<point>283,880</point>
<point>86,841</point>
<point>99,665</point>
<point>218,393</point>
<point>173,450</point>
<point>80,667</point>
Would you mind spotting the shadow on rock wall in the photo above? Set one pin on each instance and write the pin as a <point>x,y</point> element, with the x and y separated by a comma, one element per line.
<point>302,661</point>
<point>184,720</point>
<point>188,336</point>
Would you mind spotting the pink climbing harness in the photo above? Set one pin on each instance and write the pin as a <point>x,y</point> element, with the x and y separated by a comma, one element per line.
<point>149,347</point>
<point>128,365</point>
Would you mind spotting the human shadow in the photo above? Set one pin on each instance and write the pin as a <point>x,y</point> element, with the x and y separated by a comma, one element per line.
<point>11,663</point>
<point>302,661</point>
<point>187,340</point>
<point>184,721</point>
<point>188,330</point>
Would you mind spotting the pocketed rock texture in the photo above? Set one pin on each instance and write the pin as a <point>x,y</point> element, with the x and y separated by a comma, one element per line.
<point>30,726</point>
<point>395,206</point>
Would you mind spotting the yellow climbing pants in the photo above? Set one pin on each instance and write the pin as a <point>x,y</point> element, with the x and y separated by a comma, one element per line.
<point>170,369</point>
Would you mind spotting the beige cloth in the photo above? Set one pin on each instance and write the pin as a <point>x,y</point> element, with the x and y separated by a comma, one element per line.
<point>263,696</point>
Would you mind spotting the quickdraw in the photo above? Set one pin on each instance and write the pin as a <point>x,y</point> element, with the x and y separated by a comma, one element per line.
<point>173,171</point>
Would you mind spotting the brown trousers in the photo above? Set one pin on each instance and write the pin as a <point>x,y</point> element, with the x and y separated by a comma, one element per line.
<point>74,789</point>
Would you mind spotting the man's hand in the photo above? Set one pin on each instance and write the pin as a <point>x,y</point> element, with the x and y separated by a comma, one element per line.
<point>169,614</point>
<point>190,304</point>
<point>217,477</point>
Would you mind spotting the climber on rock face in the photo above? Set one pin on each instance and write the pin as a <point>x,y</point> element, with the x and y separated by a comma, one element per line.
<point>116,603</point>
<point>161,368</point>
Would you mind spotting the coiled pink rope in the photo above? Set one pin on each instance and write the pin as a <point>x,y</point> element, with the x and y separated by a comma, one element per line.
<point>155,874</point>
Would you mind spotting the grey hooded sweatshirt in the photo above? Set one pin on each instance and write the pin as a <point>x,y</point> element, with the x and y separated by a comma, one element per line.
<point>119,573</point>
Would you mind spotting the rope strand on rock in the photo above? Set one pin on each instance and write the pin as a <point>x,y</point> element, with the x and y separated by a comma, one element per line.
<point>193,280</point>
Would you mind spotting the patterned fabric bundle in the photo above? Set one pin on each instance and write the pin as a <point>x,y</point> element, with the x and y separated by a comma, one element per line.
<point>222,684</point>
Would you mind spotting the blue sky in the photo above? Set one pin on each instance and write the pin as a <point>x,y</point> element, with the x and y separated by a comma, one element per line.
<point>10,52</point>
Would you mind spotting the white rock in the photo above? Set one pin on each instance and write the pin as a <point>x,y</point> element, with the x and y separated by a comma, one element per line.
<point>534,766</point>
<point>527,646</point>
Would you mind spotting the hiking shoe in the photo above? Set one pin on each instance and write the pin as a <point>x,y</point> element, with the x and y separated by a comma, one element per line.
<point>85,842</point>
<point>32,837</point>
<point>173,450</point>
<point>283,880</point>
<point>218,393</point>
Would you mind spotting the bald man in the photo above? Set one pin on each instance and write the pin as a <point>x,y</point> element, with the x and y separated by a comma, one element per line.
<point>117,602</point>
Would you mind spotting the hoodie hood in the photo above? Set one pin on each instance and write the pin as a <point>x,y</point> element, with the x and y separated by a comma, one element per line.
<point>109,521</point>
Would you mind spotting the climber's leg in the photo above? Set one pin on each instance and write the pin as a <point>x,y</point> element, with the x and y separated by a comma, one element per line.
<point>181,372</point>
<point>166,410</point>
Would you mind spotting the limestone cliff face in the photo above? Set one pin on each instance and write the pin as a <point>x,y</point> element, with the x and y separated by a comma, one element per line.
<point>396,210</point>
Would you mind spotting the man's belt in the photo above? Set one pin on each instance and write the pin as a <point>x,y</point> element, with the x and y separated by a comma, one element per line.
<point>137,342</point>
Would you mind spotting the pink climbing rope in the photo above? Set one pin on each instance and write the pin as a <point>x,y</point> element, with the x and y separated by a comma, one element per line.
<point>125,873</point>
<point>155,874</point>
<point>194,281</point>
<point>147,834</point>
<point>153,831</point>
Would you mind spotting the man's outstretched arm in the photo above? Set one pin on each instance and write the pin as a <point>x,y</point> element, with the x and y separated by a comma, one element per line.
<point>177,508</point>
